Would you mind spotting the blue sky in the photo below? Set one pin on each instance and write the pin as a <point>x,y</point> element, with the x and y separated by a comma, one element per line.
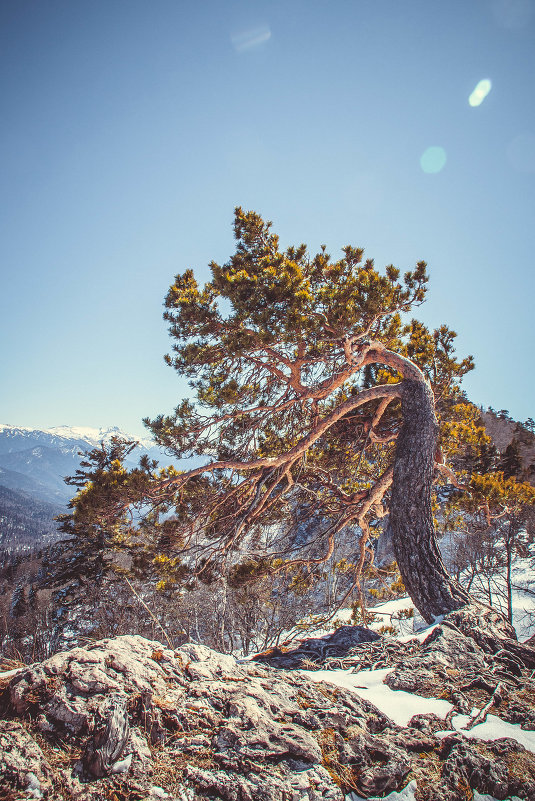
<point>130,130</point>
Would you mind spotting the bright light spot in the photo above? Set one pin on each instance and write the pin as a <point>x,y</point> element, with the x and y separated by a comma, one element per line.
<point>248,40</point>
<point>433,159</point>
<point>480,92</point>
<point>521,153</point>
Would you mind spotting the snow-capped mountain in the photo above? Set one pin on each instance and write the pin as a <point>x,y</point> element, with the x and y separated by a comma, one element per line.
<point>95,435</point>
<point>36,461</point>
<point>33,465</point>
<point>61,437</point>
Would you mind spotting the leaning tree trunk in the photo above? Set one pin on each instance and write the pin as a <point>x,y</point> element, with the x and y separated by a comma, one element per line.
<point>433,591</point>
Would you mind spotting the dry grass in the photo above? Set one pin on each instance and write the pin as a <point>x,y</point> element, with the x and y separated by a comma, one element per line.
<point>342,775</point>
<point>309,664</point>
<point>168,767</point>
<point>426,769</point>
<point>10,664</point>
<point>526,694</point>
<point>6,794</point>
<point>521,766</point>
<point>5,666</point>
<point>166,770</point>
<point>61,756</point>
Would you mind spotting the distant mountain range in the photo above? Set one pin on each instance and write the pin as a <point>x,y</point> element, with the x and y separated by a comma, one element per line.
<point>33,465</point>
<point>37,461</point>
<point>26,521</point>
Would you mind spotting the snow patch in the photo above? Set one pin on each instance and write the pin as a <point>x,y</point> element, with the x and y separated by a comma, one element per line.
<point>493,728</point>
<point>398,705</point>
<point>407,794</point>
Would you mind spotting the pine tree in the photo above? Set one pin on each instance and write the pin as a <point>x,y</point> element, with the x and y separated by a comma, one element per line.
<point>85,566</point>
<point>511,462</point>
<point>19,601</point>
<point>309,387</point>
<point>309,392</point>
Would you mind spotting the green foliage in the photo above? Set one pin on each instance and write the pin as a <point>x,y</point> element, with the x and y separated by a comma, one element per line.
<point>356,618</point>
<point>499,494</point>
<point>239,337</point>
<point>100,524</point>
<point>388,631</point>
<point>511,462</point>
<point>247,571</point>
<point>405,614</point>
<point>283,351</point>
<point>265,345</point>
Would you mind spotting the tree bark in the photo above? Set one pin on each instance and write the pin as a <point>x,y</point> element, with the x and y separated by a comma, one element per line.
<point>433,591</point>
<point>109,738</point>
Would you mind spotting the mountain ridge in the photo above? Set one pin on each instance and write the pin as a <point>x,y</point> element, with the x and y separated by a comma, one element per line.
<point>33,466</point>
<point>34,462</point>
<point>85,434</point>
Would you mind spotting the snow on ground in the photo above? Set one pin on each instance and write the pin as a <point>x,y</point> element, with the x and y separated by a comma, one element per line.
<point>523,609</point>
<point>408,794</point>
<point>388,613</point>
<point>385,614</point>
<point>397,704</point>
<point>492,729</point>
<point>401,706</point>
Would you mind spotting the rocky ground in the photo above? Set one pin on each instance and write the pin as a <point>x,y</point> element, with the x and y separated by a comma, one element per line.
<point>127,719</point>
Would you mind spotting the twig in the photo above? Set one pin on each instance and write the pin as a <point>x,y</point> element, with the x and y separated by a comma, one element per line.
<point>495,700</point>
<point>151,613</point>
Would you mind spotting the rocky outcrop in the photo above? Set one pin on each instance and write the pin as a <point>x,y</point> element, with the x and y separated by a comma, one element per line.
<point>127,718</point>
<point>504,431</point>
<point>473,659</point>
<point>318,649</point>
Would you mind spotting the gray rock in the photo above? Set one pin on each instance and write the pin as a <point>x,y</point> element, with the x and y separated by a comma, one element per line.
<point>236,731</point>
<point>127,715</point>
<point>469,764</point>
<point>378,766</point>
<point>24,767</point>
<point>318,649</point>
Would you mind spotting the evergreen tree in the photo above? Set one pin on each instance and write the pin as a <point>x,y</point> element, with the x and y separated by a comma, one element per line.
<point>100,534</point>
<point>19,601</point>
<point>309,391</point>
<point>511,461</point>
<point>504,507</point>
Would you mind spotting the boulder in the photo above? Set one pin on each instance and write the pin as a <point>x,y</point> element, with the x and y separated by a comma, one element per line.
<point>318,649</point>
<point>127,717</point>
<point>128,707</point>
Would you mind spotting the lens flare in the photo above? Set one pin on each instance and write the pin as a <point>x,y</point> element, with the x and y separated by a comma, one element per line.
<point>480,92</point>
<point>433,159</point>
<point>248,40</point>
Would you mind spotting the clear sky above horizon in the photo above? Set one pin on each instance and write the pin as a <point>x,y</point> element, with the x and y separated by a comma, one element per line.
<point>130,130</point>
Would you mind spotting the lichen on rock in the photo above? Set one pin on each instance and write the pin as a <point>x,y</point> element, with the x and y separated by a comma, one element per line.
<point>126,717</point>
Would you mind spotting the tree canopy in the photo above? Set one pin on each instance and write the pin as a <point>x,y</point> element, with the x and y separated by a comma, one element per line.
<point>314,397</point>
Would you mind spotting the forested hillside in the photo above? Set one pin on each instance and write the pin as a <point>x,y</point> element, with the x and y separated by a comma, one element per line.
<point>25,521</point>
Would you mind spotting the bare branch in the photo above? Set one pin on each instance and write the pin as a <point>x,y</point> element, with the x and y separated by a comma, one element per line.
<point>367,395</point>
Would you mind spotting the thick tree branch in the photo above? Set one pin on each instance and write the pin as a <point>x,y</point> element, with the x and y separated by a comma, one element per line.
<point>367,395</point>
